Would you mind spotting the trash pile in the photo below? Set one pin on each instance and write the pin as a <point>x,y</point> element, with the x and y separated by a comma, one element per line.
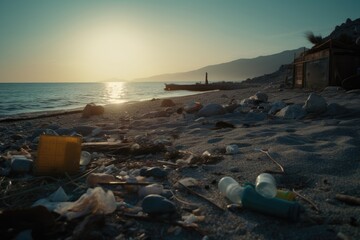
<point>70,190</point>
<point>83,183</point>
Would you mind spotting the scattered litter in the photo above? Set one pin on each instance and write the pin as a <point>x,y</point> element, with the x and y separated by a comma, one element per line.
<point>232,149</point>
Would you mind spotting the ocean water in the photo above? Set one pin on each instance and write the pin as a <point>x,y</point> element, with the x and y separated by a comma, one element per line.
<point>18,98</point>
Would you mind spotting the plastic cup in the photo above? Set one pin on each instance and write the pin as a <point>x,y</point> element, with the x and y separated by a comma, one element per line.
<point>265,185</point>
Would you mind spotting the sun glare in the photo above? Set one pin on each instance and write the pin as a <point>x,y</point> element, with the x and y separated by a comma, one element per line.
<point>115,92</point>
<point>111,51</point>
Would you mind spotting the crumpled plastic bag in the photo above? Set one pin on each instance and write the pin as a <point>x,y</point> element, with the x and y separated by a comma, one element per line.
<point>95,201</point>
<point>52,201</point>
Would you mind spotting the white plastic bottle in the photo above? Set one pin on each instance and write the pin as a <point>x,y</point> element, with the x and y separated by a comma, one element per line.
<point>266,185</point>
<point>231,189</point>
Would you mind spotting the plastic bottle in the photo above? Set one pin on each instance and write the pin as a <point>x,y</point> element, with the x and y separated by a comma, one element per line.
<point>266,185</point>
<point>251,199</point>
<point>286,195</point>
<point>231,189</point>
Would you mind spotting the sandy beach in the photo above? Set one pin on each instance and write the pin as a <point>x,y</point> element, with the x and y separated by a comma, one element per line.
<point>319,154</point>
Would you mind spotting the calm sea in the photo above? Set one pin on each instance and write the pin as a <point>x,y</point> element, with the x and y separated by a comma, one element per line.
<point>17,98</point>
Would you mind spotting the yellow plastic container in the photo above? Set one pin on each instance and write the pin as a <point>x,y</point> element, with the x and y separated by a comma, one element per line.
<point>57,155</point>
<point>286,195</point>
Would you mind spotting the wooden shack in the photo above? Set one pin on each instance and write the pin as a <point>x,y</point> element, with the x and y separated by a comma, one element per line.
<point>326,64</point>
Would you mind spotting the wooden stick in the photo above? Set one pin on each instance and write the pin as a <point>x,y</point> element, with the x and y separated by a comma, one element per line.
<point>182,201</point>
<point>348,199</point>
<point>127,183</point>
<point>272,159</point>
<point>307,200</point>
<point>201,196</point>
<point>167,163</point>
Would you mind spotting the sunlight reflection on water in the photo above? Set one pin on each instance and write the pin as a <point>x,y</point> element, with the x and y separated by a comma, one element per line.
<point>115,92</point>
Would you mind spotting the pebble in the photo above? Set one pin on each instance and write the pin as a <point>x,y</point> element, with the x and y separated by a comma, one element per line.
<point>153,172</point>
<point>155,204</point>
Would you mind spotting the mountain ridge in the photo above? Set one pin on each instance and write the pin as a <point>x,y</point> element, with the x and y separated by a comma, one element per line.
<point>237,70</point>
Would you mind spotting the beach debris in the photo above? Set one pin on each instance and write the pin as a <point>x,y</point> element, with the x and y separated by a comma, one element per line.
<point>167,103</point>
<point>188,182</point>
<point>295,111</point>
<point>232,149</point>
<point>307,200</point>
<point>94,201</point>
<point>260,97</point>
<point>266,151</point>
<point>91,109</point>
<point>155,204</point>
<point>52,201</point>
<point>192,107</point>
<point>201,196</point>
<point>93,179</point>
<point>85,158</point>
<point>153,172</point>
<point>211,109</point>
<point>315,104</point>
<point>249,198</point>
<point>222,124</point>
<point>285,194</point>
<point>265,185</point>
<point>57,155</point>
<point>348,199</point>
<point>191,218</point>
<point>20,164</point>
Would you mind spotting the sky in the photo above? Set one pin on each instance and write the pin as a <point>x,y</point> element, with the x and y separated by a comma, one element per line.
<point>88,40</point>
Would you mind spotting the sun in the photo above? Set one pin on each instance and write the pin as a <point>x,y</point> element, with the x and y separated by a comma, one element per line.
<point>111,51</point>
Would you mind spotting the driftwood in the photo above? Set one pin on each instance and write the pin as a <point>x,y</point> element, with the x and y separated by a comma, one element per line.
<point>307,200</point>
<point>201,196</point>
<point>348,199</point>
<point>105,146</point>
<point>274,161</point>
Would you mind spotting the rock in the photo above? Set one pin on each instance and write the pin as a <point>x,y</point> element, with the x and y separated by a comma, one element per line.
<point>222,124</point>
<point>150,189</point>
<point>92,109</point>
<point>255,116</point>
<point>83,130</point>
<point>153,172</point>
<point>315,104</point>
<point>249,102</point>
<point>167,103</point>
<point>156,114</point>
<point>295,111</point>
<point>260,96</point>
<point>334,109</point>
<point>154,204</point>
<point>245,108</point>
<point>277,106</point>
<point>211,109</point>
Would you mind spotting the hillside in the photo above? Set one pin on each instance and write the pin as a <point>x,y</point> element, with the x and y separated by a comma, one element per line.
<point>237,70</point>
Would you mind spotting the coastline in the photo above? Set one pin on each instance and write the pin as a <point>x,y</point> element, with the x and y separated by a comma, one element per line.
<point>319,154</point>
